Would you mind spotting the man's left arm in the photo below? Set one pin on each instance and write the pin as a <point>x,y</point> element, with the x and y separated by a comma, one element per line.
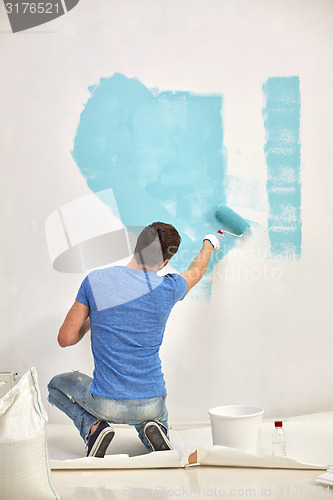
<point>75,326</point>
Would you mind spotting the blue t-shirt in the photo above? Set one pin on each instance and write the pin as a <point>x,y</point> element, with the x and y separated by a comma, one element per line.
<point>129,309</point>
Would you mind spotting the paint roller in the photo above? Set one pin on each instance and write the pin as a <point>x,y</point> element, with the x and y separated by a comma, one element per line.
<point>232,220</point>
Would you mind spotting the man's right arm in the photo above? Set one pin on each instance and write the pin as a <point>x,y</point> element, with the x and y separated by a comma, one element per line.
<point>75,326</point>
<point>199,265</point>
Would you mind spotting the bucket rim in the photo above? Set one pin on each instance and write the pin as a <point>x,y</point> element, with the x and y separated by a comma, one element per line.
<point>215,412</point>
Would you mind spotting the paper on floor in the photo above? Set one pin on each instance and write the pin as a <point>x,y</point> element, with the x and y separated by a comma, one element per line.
<point>326,478</point>
<point>232,457</point>
<point>157,459</point>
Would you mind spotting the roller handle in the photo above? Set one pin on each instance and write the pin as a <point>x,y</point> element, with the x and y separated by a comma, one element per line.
<point>232,234</point>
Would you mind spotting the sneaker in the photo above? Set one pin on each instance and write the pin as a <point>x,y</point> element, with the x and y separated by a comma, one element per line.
<point>99,440</point>
<point>156,437</point>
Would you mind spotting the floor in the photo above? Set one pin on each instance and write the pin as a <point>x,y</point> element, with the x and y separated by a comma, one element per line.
<point>189,482</point>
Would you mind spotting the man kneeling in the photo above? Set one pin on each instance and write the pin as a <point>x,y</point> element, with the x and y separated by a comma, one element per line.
<point>126,308</point>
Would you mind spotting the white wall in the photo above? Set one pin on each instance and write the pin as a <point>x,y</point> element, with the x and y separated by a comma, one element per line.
<point>262,341</point>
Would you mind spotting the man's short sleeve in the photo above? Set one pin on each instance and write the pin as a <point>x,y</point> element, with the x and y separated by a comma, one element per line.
<point>179,286</point>
<point>82,295</point>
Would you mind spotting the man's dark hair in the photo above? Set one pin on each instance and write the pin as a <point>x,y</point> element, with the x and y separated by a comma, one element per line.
<point>157,242</point>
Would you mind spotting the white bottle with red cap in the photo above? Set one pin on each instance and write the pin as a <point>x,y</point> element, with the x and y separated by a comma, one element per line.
<point>279,440</point>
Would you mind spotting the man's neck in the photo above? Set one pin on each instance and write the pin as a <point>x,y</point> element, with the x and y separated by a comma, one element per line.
<point>134,265</point>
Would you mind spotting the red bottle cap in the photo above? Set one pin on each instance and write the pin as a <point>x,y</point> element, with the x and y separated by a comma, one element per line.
<point>278,424</point>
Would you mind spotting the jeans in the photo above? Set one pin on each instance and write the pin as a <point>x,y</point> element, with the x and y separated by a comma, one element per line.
<point>70,393</point>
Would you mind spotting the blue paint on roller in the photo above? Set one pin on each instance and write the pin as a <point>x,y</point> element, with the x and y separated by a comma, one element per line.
<point>283,159</point>
<point>161,152</point>
<point>234,222</point>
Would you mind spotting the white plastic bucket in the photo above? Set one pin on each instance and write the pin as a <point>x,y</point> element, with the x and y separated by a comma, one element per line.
<point>236,426</point>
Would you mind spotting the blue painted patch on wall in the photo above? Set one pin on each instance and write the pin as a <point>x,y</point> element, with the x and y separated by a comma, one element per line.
<point>162,154</point>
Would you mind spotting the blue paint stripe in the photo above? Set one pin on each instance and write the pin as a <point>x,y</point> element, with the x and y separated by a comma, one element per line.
<point>283,159</point>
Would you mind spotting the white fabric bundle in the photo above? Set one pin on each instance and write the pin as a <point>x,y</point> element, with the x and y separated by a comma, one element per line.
<point>24,463</point>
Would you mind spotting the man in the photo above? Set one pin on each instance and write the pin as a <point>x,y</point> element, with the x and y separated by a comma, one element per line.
<point>126,308</point>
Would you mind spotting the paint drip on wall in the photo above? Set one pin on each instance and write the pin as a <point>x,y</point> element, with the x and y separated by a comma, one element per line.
<point>162,154</point>
<point>283,159</point>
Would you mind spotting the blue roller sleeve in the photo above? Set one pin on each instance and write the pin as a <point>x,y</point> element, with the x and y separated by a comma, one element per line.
<point>215,239</point>
<point>232,220</point>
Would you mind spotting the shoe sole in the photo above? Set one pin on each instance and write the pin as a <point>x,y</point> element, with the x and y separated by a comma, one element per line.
<point>102,442</point>
<point>156,437</point>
